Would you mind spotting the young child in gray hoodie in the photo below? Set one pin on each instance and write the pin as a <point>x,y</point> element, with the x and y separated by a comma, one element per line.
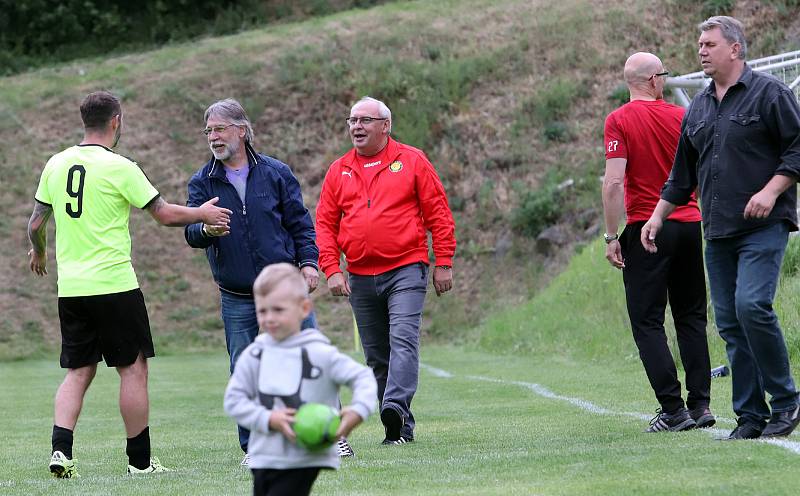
<point>280,371</point>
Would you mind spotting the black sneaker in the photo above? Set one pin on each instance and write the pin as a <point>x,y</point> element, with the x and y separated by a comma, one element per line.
<point>343,448</point>
<point>703,417</point>
<point>782,424</point>
<point>393,422</point>
<point>679,420</point>
<point>744,430</point>
<point>402,440</point>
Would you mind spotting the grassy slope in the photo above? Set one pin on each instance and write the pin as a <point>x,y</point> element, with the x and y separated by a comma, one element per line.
<point>474,437</point>
<point>582,314</point>
<point>462,78</point>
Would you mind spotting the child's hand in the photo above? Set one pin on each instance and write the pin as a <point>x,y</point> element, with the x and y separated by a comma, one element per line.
<point>281,420</point>
<point>350,420</point>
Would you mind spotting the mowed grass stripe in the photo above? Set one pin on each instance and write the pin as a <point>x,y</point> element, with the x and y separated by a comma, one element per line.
<point>473,437</point>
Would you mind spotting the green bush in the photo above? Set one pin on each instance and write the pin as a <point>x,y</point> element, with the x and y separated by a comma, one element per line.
<point>557,131</point>
<point>718,7</point>
<point>538,209</point>
<point>619,95</point>
<point>548,108</point>
<point>40,32</point>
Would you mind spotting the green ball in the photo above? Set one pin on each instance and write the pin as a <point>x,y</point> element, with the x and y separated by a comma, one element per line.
<point>315,426</point>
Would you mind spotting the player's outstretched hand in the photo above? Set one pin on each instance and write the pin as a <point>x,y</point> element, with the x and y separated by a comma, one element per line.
<point>213,215</point>
<point>281,420</point>
<point>350,420</point>
<point>216,231</point>
<point>38,262</point>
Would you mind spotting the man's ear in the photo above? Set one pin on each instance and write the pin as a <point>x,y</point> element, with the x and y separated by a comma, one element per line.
<point>736,48</point>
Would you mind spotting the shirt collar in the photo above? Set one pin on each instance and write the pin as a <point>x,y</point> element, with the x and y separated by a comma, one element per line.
<point>744,79</point>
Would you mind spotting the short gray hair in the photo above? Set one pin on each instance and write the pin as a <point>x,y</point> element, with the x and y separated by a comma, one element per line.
<point>383,110</point>
<point>732,30</point>
<point>233,112</point>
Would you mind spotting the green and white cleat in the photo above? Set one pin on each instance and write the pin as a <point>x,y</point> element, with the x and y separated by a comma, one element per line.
<point>62,467</point>
<point>154,468</point>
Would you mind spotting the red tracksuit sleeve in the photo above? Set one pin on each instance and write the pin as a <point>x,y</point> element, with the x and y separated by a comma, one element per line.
<point>329,216</point>
<point>436,212</point>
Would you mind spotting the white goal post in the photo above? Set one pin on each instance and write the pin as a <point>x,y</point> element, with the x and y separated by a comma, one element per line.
<point>784,66</point>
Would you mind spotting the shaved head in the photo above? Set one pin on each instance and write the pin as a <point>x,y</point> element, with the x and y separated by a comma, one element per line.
<point>645,76</point>
<point>640,66</point>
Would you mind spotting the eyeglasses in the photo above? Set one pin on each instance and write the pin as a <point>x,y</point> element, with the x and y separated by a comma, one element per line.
<point>665,73</point>
<point>352,121</point>
<point>217,129</point>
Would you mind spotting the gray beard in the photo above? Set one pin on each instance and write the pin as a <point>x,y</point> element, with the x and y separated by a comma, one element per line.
<point>224,155</point>
<point>230,151</point>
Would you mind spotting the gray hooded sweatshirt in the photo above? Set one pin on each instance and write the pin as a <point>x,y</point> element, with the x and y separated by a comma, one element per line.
<point>303,368</point>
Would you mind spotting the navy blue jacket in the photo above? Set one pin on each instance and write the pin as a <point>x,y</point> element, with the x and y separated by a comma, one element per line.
<point>271,226</point>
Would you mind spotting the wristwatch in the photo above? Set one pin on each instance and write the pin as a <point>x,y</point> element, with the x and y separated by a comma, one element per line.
<point>445,267</point>
<point>610,237</point>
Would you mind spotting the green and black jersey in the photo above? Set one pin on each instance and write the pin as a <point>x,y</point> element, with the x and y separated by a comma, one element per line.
<point>91,189</point>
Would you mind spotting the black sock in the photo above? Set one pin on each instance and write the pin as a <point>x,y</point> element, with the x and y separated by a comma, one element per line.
<point>138,449</point>
<point>62,441</point>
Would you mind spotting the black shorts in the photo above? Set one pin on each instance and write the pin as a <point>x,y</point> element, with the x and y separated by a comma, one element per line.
<point>111,326</point>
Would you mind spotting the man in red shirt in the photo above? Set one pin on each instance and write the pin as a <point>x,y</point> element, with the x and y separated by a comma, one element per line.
<point>641,138</point>
<point>377,203</point>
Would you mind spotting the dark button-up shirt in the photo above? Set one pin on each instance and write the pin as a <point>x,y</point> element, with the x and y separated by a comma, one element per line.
<point>732,148</point>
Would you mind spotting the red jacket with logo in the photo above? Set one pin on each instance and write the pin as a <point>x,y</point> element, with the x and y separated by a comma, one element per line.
<point>383,225</point>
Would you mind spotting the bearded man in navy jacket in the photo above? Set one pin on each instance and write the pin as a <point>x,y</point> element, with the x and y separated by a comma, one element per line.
<point>269,224</point>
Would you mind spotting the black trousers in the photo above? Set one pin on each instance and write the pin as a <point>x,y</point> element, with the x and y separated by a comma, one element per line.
<point>675,274</point>
<point>287,482</point>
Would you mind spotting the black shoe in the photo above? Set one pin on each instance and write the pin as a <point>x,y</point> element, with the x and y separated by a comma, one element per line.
<point>393,422</point>
<point>782,424</point>
<point>744,430</point>
<point>402,440</point>
<point>679,420</point>
<point>703,417</point>
<point>343,448</point>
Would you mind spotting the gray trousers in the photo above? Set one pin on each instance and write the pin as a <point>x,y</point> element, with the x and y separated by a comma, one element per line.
<point>388,311</point>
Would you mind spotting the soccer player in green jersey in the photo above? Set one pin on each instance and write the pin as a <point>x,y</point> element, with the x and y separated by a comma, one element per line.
<point>89,190</point>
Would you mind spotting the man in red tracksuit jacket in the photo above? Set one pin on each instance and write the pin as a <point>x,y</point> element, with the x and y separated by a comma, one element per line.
<point>377,203</point>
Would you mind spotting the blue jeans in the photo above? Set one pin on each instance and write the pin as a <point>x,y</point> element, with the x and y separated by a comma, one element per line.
<point>241,329</point>
<point>743,274</point>
<point>388,311</point>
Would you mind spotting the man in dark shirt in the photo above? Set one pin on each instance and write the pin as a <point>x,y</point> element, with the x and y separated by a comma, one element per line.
<point>740,144</point>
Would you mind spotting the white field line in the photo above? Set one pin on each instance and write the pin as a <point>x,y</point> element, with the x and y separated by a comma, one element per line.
<point>544,392</point>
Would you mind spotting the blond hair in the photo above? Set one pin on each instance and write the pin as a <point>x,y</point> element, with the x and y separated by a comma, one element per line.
<point>272,275</point>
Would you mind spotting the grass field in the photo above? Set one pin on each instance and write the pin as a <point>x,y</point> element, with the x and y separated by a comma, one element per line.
<point>487,424</point>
